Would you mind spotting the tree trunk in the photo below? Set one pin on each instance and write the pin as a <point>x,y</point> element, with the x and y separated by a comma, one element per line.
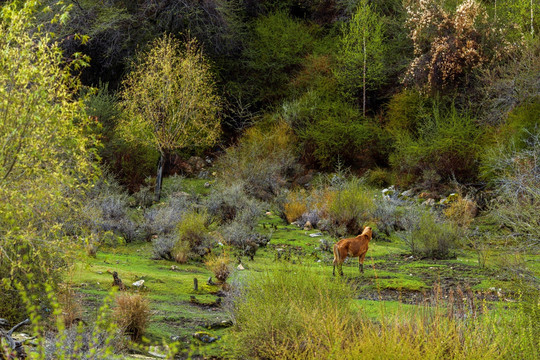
<point>364,80</point>
<point>159,177</point>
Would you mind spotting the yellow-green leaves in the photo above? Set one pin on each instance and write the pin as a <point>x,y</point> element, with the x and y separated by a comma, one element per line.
<point>170,97</point>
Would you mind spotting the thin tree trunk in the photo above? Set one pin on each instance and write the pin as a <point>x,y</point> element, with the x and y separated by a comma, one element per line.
<point>532,18</point>
<point>159,178</point>
<point>364,80</point>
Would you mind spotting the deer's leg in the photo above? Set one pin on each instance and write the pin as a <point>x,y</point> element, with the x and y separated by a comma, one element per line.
<point>334,268</point>
<point>361,262</point>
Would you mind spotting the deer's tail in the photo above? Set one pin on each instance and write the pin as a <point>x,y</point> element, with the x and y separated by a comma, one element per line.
<point>337,257</point>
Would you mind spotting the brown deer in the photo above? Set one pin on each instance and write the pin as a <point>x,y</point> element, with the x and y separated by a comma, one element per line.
<point>353,247</point>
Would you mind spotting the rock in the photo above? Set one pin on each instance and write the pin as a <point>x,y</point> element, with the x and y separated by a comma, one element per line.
<point>139,283</point>
<point>207,185</point>
<point>429,202</point>
<point>316,234</point>
<point>268,213</point>
<point>388,191</point>
<point>407,193</point>
<point>240,267</point>
<point>308,226</point>
<point>196,163</point>
<point>174,268</point>
<point>205,337</point>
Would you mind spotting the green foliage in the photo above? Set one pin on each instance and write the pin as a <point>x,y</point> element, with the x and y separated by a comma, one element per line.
<point>432,238</point>
<point>304,315</point>
<point>170,98</point>
<point>362,51</point>
<point>46,162</point>
<point>262,161</point>
<point>276,51</point>
<point>329,129</point>
<point>193,240</point>
<point>448,142</point>
<point>352,205</point>
<point>404,111</point>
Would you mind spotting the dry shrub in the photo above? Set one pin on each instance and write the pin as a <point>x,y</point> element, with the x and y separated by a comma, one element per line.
<point>71,309</point>
<point>132,313</point>
<point>295,205</point>
<point>461,212</point>
<point>220,265</point>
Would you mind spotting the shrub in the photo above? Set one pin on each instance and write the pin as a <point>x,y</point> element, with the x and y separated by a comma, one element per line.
<point>295,205</point>
<point>193,239</point>
<point>262,161</point>
<point>162,218</point>
<point>106,210</point>
<point>230,203</point>
<point>276,50</point>
<point>431,237</point>
<point>298,315</point>
<point>162,247</point>
<point>379,177</point>
<point>448,143</point>
<point>514,172</point>
<point>351,206</point>
<point>330,129</point>
<point>461,211</point>
<point>132,313</point>
<point>220,265</point>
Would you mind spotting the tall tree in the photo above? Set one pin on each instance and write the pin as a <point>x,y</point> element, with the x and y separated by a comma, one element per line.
<point>45,158</point>
<point>362,51</point>
<point>171,98</point>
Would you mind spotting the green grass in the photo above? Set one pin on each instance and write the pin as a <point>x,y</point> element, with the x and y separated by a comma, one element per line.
<point>393,282</point>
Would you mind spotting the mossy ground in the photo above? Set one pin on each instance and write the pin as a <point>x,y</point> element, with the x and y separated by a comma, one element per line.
<point>392,279</point>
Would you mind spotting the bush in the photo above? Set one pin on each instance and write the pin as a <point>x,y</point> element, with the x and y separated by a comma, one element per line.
<point>107,211</point>
<point>220,265</point>
<point>461,212</point>
<point>276,50</point>
<point>298,315</point>
<point>295,205</point>
<point>132,313</point>
<point>351,206</point>
<point>262,162</point>
<point>230,203</point>
<point>330,129</point>
<point>447,143</point>
<point>163,246</point>
<point>513,170</point>
<point>162,218</point>
<point>431,238</point>
<point>193,240</point>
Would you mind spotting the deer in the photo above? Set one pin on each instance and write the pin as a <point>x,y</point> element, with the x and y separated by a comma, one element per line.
<point>353,247</point>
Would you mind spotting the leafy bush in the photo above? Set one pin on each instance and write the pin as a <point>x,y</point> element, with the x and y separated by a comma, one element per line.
<point>276,50</point>
<point>351,206</point>
<point>193,240</point>
<point>262,162</point>
<point>514,171</point>
<point>132,313</point>
<point>461,211</point>
<point>220,265</point>
<point>431,237</point>
<point>330,129</point>
<point>448,143</point>
<point>230,203</point>
<point>295,205</point>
